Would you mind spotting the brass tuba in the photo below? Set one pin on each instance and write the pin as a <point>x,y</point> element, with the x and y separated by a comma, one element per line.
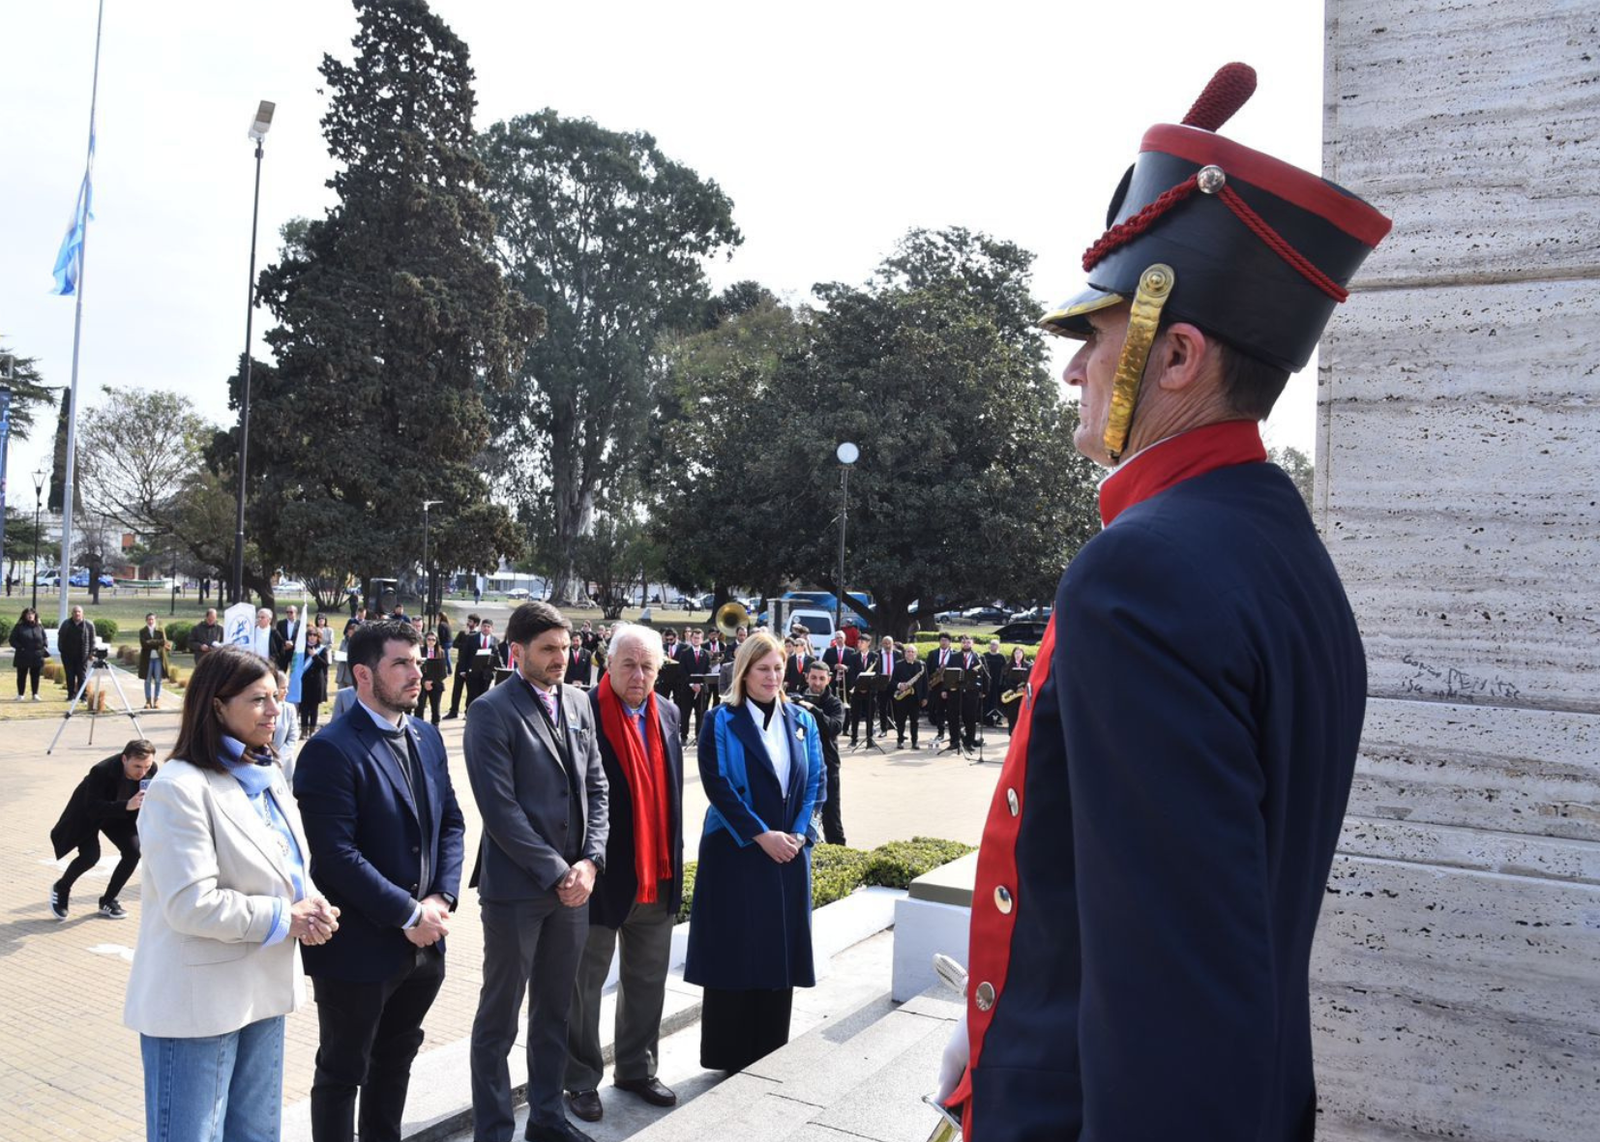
<point>730,617</point>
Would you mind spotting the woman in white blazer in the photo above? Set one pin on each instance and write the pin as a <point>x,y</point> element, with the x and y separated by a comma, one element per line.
<point>226,896</point>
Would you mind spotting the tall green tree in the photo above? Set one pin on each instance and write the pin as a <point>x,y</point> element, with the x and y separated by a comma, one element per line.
<point>393,324</point>
<point>28,390</point>
<point>967,488</point>
<point>610,236</point>
<point>1301,468</point>
<point>137,449</point>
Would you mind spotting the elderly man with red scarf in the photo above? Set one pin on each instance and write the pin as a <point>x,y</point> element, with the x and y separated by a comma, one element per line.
<point>636,898</point>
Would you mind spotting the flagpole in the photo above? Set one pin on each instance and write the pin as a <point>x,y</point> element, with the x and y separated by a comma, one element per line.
<point>77,331</point>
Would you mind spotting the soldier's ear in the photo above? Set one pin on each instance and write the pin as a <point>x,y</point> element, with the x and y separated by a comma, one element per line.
<point>1181,357</point>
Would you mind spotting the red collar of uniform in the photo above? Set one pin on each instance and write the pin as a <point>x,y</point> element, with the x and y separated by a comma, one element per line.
<point>1180,458</point>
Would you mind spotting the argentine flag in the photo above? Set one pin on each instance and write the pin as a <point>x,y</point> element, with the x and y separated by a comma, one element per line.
<point>69,260</point>
<point>297,667</point>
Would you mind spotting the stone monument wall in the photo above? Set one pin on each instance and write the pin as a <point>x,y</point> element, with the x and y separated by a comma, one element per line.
<point>1456,986</point>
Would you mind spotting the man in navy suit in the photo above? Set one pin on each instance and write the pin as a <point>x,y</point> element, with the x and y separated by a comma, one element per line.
<point>386,838</point>
<point>1159,841</point>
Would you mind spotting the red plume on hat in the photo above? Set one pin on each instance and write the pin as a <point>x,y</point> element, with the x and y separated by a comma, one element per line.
<point>1256,252</point>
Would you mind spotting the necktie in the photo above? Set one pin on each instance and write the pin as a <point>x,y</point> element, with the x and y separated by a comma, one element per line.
<point>549,703</point>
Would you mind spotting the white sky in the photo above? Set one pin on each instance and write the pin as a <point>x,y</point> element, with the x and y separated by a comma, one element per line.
<point>833,127</point>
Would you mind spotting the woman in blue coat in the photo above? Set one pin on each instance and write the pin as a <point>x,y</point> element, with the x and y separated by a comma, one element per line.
<point>750,923</point>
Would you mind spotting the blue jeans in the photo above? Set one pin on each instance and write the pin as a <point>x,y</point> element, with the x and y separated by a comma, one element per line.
<point>220,1088</point>
<point>152,680</point>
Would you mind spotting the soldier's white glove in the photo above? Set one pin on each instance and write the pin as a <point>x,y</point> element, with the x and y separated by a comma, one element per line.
<point>953,1064</point>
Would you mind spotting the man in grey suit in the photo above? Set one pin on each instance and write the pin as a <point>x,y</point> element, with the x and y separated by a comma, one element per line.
<point>533,759</point>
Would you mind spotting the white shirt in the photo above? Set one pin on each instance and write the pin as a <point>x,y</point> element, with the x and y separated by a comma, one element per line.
<point>261,641</point>
<point>776,738</point>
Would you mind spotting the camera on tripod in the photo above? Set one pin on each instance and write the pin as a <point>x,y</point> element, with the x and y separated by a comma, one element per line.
<point>100,652</point>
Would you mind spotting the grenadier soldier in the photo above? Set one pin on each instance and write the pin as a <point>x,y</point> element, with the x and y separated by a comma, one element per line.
<point>1160,837</point>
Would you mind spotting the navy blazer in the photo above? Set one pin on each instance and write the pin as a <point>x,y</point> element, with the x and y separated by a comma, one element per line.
<point>362,826</point>
<point>750,924</point>
<point>619,883</point>
<point>1190,758</point>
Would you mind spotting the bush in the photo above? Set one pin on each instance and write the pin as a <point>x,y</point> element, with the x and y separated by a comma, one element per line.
<point>837,871</point>
<point>106,629</point>
<point>898,863</point>
<point>6,623</point>
<point>178,635</point>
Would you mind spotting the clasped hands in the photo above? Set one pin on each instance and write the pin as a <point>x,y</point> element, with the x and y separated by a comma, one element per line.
<point>573,889</point>
<point>313,920</point>
<point>433,922</point>
<point>781,847</point>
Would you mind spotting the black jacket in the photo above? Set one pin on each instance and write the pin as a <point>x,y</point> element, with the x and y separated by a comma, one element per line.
<point>75,641</point>
<point>31,644</point>
<point>101,799</point>
<point>617,886</point>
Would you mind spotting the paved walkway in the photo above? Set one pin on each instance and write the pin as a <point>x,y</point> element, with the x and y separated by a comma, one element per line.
<point>69,1069</point>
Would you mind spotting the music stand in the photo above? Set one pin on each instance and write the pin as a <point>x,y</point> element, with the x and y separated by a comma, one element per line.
<point>872,686</point>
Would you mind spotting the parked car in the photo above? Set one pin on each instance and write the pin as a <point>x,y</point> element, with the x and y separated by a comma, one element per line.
<point>289,587</point>
<point>517,593</point>
<point>980,616</point>
<point>947,617</point>
<point>51,579</point>
<point>1030,631</point>
<point>1040,613</point>
<point>79,579</point>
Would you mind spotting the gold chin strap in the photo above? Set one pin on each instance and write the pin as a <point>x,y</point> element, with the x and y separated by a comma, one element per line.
<point>1155,286</point>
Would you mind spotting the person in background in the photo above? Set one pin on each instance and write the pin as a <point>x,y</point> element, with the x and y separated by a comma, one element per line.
<point>205,635</point>
<point>75,643</point>
<point>286,733</point>
<point>288,630</point>
<point>994,666</point>
<point>227,902</point>
<point>153,662</point>
<point>435,670</point>
<point>750,922</point>
<point>32,647</point>
<point>313,681</point>
<point>321,624</point>
<point>826,708</point>
<point>106,801</point>
<point>341,675</point>
<point>446,632</point>
<point>266,641</point>
<point>463,649</point>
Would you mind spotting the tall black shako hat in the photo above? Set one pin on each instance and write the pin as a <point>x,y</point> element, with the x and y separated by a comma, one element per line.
<point>1204,230</point>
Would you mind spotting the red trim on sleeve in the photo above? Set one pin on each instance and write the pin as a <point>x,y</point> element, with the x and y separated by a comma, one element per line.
<point>1301,188</point>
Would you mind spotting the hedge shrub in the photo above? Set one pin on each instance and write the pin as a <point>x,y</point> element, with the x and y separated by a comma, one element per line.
<point>837,871</point>
<point>178,635</point>
<point>898,863</point>
<point>6,623</point>
<point>106,629</point>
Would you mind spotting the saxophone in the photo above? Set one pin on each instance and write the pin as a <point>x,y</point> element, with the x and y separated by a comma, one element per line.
<point>903,691</point>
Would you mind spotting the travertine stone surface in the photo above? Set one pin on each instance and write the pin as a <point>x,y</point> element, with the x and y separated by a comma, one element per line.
<point>1460,479</point>
<point>1476,126</point>
<point>1456,980</point>
<point>1454,1004</point>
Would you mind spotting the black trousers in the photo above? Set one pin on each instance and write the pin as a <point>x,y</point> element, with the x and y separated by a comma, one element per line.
<point>832,821</point>
<point>455,694</point>
<point>885,700</point>
<point>430,700</point>
<point>26,672</point>
<point>368,1035</point>
<point>74,673</point>
<point>861,715</point>
<point>906,713</point>
<point>125,837</point>
<point>739,1027</point>
<point>477,686</point>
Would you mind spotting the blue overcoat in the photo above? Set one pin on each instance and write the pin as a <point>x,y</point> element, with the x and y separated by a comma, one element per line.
<point>750,923</point>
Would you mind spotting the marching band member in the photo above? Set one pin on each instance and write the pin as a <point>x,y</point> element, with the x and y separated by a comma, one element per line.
<point>910,694</point>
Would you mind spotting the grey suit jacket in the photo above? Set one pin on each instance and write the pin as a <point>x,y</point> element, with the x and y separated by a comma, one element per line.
<point>532,830</point>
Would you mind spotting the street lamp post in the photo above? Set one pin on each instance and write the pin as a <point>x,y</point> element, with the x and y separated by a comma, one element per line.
<point>848,454</point>
<point>39,477</point>
<point>258,132</point>
<point>427,569</point>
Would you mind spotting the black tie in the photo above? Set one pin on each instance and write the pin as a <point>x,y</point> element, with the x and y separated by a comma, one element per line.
<point>405,753</point>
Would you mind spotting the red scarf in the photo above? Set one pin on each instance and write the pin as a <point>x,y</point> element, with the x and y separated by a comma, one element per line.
<point>646,770</point>
<point>1179,458</point>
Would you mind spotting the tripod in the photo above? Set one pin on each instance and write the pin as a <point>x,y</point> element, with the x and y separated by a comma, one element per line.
<point>99,666</point>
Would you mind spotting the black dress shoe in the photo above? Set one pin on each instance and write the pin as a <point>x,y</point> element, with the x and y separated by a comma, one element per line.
<point>586,1104</point>
<point>566,1132</point>
<point>650,1090</point>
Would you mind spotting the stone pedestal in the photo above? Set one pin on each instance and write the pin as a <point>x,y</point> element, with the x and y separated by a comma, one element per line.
<point>1456,985</point>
